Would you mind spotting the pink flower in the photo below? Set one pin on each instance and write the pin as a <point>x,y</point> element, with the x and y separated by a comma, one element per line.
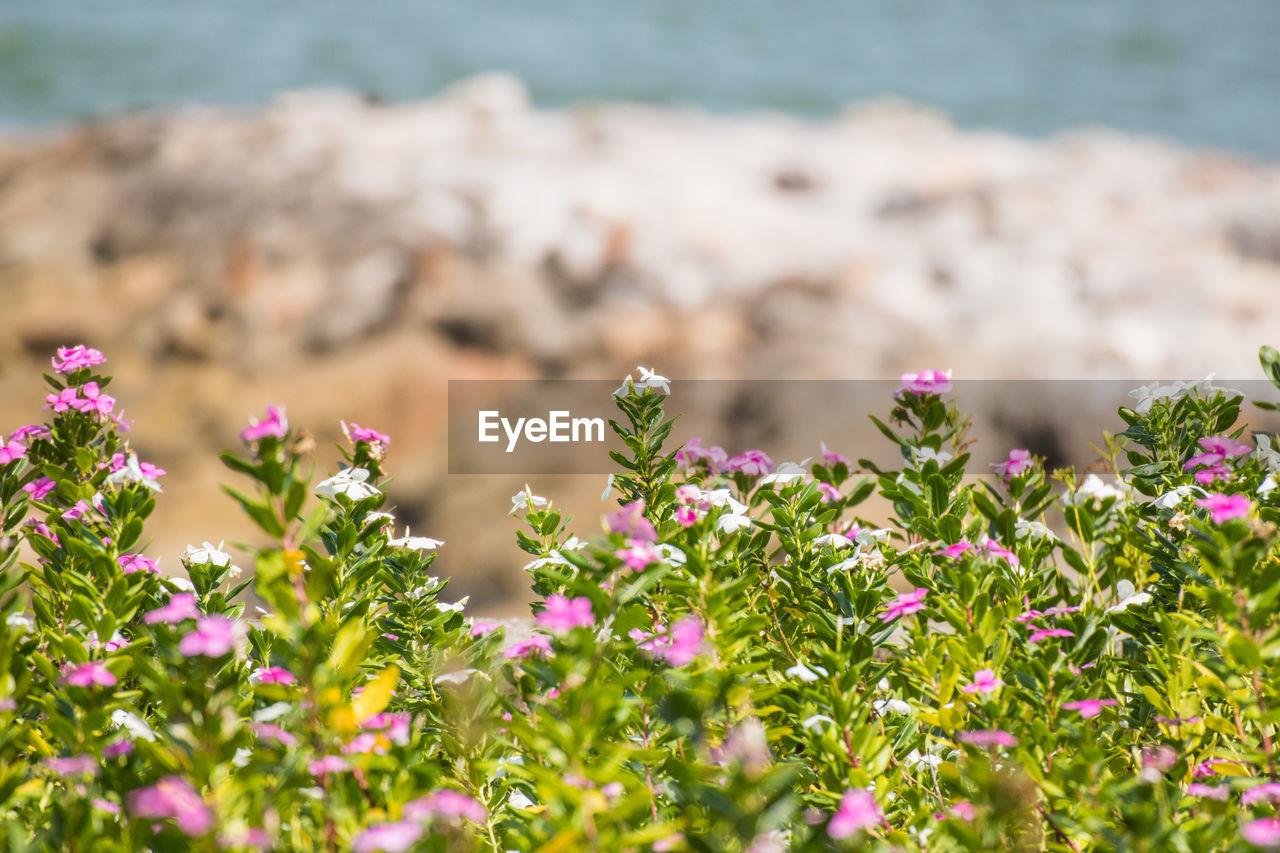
<point>182,605</point>
<point>104,805</point>
<point>1045,633</point>
<point>693,451</point>
<point>70,359</point>
<point>130,563</point>
<point>1177,721</point>
<point>273,675</point>
<point>26,433</point>
<point>1028,616</point>
<point>562,614</point>
<point>62,401</point>
<point>147,469</point>
<point>90,674</point>
<point>537,644</point>
<point>77,765</point>
<point>630,520</point>
<point>753,463</point>
<point>638,555</point>
<point>117,749</point>
<point>962,810</point>
<point>94,400</point>
<point>830,457</point>
<point>447,804</point>
<point>984,681</point>
<point>1088,707</point>
<point>995,549</point>
<point>925,382</point>
<point>1217,448</point>
<point>482,629</point>
<point>829,493</point>
<point>954,550</point>
<point>1213,792</point>
<point>275,425</point>
<point>858,811</point>
<point>678,646</point>
<point>1018,463</point>
<point>687,516</point>
<point>395,837</point>
<point>270,731</point>
<point>1259,793</point>
<point>173,797</point>
<point>1156,761</point>
<point>213,637</point>
<point>1213,473</point>
<point>77,511</point>
<point>328,764</point>
<point>988,737</point>
<point>1204,769</point>
<point>356,433</point>
<point>38,526</point>
<point>37,489</point>
<point>1263,832</point>
<point>1225,507</point>
<point>11,452</point>
<point>395,726</point>
<point>905,605</point>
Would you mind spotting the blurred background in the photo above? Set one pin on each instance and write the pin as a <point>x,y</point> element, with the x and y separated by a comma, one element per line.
<point>340,207</point>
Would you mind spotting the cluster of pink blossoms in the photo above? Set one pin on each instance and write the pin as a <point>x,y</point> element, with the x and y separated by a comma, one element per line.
<point>857,812</point>
<point>693,452</point>
<point>1224,508</point>
<point>399,836</point>
<point>71,359</point>
<point>1217,449</point>
<point>562,614</point>
<point>275,425</point>
<point>639,552</point>
<point>89,399</point>
<point>924,382</point>
<point>1018,463</point>
<point>677,646</point>
<point>991,547</point>
<point>173,798</point>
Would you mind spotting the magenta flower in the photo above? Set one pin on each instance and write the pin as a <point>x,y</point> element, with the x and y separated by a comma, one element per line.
<point>356,433</point>
<point>683,642</point>
<point>213,637</point>
<point>447,804</point>
<point>1225,507</point>
<point>117,749</point>
<point>182,605</point>
<point>638,555</point>
<point>988,737</point>
<point>395,837</point>
<point>537,644</point>
<point>38,526</point>
<point>62,401</point>
<point>90,674</point>
<point>563,614</point>
<point>70,359</point>
<point>630,521</point>
<point>925,382</point>
<point>1045,633</point>
<point>395,726</point>
<point>955,550</point>
<point>173,798</point>
<point>753,463</point>
<point>1213,473</point>
<point>829,493</point>
<point>275,425</point>
<point>482,629</point>
<point>1029,615</point>
<point>1088,708</point>
<point>328,764</point>
<point>104,805</point>
<point>830,458</point>
<point>94,400</point>
<point>984,681</point>
<point>995,549</point>
<point>77,511</point>
<point>858,811</point>
<point>1216,448</point>
<point>905,605</point>
<point>24,434</point>
<point>687,516</point>
<point>37,489</point>
<point>77,765</point>
<point>1018,463</point>
<point>1263,832</point>
<point>1204,769</point>
<point>11,452</point>
<point>130,563</point>
<point>273,675</point>
<point>1212,792</point>
<point>1267,791</point>
<point>693,451</point>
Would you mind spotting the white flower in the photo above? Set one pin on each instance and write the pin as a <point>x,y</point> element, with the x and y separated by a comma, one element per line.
<point>648,379</point>
<point>573,543</point>
<point>812,722</point>
<point>1128,598</point>
<point>183,584</point>
<point>608,489</point>
<point>921,455</point>
<point>416,543</point>
<point>517,800</point>
<point>1268,485</point>
<point>1023,528</point>
<point>846,565</point>
<point>1093,489</point>
<point>242,756</point>
<point>271,712</point>
<point>884,707</point>
<point>133,724</point>
<point>835,540</point>
<point>526,501</point>
<point>349,482</point>
<point>916,758</point>
<point>786,473</point>
<point>432,585</point>
<point>553,558</point>
<point>908,485</point>
<point>457,677</point>
<point>868,537</point>
<point>456,607</point>
<point>733,522</point>
<point>1175,497</point>
<point>806,674</point>
<point>1147,395</point>
<point>208,555</point>
<point>132,472</point>
<point>19,622</point>
<point>671,554</point>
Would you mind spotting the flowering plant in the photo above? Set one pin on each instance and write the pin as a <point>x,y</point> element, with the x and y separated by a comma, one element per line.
<point>738,660</point>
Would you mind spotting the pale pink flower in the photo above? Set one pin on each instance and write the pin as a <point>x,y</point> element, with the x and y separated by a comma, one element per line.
<point>1156,761</point>
<point>955,550</point>
<point>272,675</point>
<point>481,629</point>
<point>563,614</point>
<point>182,605</point>
<point>905,605</point>
<point>753,463</point>
<point>90,674</point>
<point>638,555</point>
<point>93,400</point>
<point>130,563</point>
<point>117,749</point>
<point>858,811</point>
<point>830,457</point>
<point>1088,707</point>
<point>1267,791</point>
<point>962,810</point>
<point>1018,463</point>
<point>11,452</point>
<point>1225,507</point>
<point>213,637</point>
<point>104,805</point>
<point>630,521</point>
<point>71,359</point>
<point>394,837</point>
<point>984,681</point>
<point>1263,832</point>
<point>395,726</point>
<point>925,382</point>
<point>275,425</point>
<point>62,401</point>
<point>693,451</point>
<point>328,764</point>
<point>829,493</point>
<point>77,765</point>
<point>988,737</point>
<point>447,804</point>
<point>1212,792</point>
<point>173,797</point>
<point>270,731</point>
<point>537,644</point>
<point>37,489</point>
<point>1045,633</point>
